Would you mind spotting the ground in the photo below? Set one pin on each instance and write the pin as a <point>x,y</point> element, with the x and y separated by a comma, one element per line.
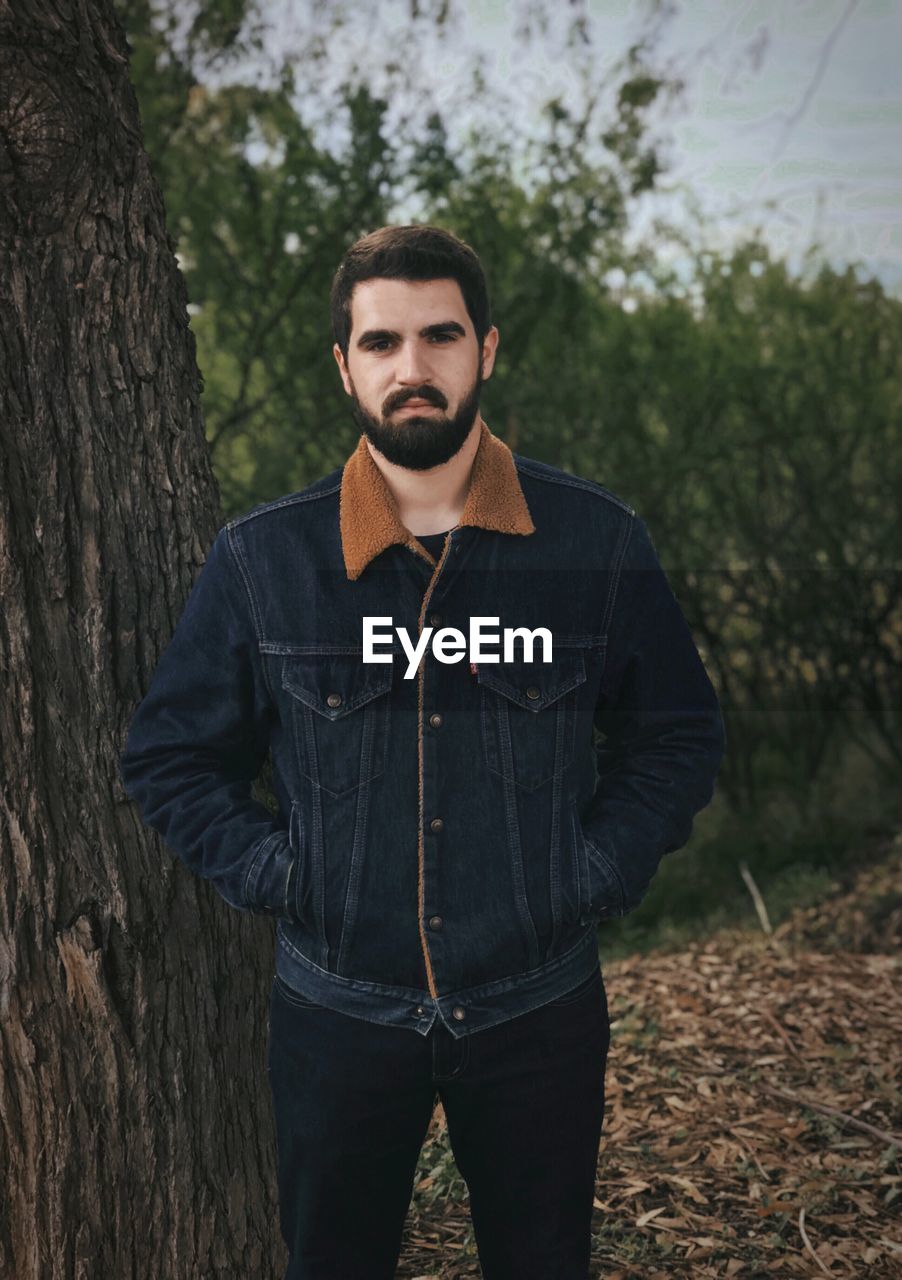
<point>753,1116</point>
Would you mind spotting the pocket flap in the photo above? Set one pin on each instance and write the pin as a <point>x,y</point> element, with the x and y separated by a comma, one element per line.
<point>335,684</point>
<point>534,685</point>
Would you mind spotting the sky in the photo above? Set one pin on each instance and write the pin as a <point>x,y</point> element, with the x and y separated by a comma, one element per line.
<point>792,103</point>
<point>785,101</point>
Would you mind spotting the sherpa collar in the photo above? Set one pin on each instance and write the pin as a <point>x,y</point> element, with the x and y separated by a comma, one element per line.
<point>368,514</point>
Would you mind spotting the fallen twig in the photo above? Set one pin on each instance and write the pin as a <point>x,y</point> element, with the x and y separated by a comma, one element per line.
<point>756,898</point>
<point>884,1135</point>
<point>808,1246</point>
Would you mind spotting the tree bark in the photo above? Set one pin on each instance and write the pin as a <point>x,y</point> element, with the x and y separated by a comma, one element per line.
<point>136,1134</point>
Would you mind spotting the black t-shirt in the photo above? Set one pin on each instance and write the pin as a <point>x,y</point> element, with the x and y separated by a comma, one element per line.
<point>433,542</point>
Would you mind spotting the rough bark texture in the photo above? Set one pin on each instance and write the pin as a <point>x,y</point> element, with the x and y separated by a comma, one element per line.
<point>136,1135</point>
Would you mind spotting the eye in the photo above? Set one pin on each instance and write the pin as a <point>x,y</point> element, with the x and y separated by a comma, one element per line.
<point>443,336</point>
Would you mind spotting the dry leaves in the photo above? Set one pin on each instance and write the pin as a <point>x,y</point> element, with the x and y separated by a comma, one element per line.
<point>753,1122</point>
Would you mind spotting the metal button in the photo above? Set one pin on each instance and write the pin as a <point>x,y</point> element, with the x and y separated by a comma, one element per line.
<point>435,922</point>
<point>334,699</point>
<point>458,1012</point>
<point>435,619</point>
<point>533,691</point>
<point>436,824</point>
<point>420,1009</point>
<point>435,720</point>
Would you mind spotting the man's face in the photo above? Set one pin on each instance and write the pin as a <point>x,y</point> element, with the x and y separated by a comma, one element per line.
<point>414,370</point>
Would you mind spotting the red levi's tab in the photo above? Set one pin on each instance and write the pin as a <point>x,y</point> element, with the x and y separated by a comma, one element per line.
<point>473,668</point>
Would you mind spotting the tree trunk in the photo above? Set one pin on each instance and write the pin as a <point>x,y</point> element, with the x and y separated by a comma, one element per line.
<point>136,1135</point>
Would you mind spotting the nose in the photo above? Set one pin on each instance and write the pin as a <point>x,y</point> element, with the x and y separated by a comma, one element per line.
<point>412,369</point>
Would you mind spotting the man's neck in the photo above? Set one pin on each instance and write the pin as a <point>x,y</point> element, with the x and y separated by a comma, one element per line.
<point>431,501</point>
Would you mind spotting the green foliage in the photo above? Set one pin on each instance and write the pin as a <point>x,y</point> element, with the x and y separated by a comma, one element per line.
<point>751,415</point>
<point>262,212</point>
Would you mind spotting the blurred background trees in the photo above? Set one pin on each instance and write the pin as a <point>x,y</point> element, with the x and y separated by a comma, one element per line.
<point>749,412</point>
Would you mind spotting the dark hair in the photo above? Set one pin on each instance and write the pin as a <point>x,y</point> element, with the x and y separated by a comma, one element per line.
<point>414,252</point>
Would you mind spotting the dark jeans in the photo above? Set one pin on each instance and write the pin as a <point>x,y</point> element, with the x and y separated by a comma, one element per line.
<point>524,1103</point>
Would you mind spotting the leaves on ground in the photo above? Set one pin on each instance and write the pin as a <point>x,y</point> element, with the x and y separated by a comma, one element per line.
<point>753,1118</point>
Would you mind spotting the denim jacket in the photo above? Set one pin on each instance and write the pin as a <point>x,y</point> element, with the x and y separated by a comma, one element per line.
<point>445,845</point>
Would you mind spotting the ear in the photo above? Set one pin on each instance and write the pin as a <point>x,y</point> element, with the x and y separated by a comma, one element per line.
<point>489,347</point>
<point>342,367</point>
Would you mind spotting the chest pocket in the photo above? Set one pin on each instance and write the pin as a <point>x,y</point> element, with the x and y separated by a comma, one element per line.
<point>339,706</point>
<point>528,716</point>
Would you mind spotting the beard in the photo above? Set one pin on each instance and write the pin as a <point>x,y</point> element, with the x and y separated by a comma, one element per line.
<point>420,442</point>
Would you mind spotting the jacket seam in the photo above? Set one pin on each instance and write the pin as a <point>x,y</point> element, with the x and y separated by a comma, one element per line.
<point>278,503</point>
<point>237,555</point>
<point>612,867</point>
<point>250,898</point>
<point>626,531</point>
<point>588,486</point>
<point>288,885</point>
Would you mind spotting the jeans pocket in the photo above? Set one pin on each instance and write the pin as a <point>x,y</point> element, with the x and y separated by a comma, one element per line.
<point>579,992</point>
<point>292,997</point>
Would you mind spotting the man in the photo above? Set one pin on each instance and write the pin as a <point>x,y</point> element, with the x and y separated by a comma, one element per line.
<point>448,836</point>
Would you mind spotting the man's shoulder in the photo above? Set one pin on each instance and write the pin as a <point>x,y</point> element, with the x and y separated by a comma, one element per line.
<point>296,503</point>
<point>545,474</point>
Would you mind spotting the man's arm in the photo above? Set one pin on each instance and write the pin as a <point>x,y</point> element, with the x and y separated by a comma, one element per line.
<point>197,740</point>
<point>664,736</point>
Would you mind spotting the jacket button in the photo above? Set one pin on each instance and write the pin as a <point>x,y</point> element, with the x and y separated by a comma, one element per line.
<point>436,824</point>
<point>458,1012</point>
<point>533,691</point>
<point>435,619</point>
<point>334,699</point>
<point>435,922</point>
<point>435,720</point>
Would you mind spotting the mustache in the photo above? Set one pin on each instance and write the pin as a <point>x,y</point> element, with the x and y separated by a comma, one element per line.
<point>429,394</point>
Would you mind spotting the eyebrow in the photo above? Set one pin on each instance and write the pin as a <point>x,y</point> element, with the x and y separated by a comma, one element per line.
<point>443,326</point>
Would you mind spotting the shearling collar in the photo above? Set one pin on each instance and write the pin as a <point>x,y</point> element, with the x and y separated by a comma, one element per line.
<point>368,513</point>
